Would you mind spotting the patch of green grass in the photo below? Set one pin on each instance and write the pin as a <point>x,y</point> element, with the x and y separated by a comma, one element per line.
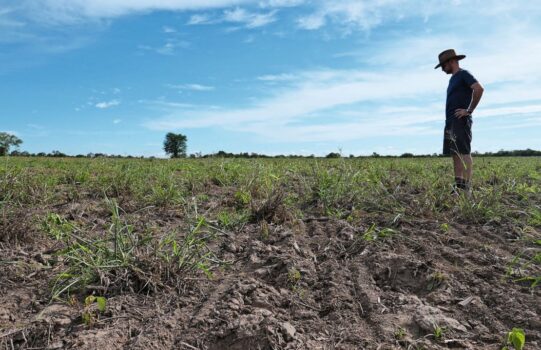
<point>535,218</point>
<point>190,253</point>
<point>439,332</point>
<point>374,233</point>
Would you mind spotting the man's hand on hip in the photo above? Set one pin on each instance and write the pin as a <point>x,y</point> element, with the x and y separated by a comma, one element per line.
<point>461,112</point>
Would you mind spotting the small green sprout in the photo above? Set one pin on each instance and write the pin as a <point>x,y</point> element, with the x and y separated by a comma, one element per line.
<point>400,333</point>
<point>515,338</point>
<point>439,332</point>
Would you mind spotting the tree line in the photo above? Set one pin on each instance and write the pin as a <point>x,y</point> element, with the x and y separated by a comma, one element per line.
<point>175,145</point>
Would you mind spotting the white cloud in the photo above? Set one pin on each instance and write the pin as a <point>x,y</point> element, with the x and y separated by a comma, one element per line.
<point>74,11</point>
<point>367,14</point>
<point>316,93</point>
<point>280,3</point>
<point>350,13</point>
<point>336,105</point>
<point>192,87</point>
<point>277,78</point>
<point>117,121</point>
<point>107,104</point>
<point>168,30</point>
<point>167,105</point>
<point>199,19</point>
<point>250,19</point>
<point>70,11</point>
<point>312,22</point>
<point>169,48</point>
<point>236,15</point>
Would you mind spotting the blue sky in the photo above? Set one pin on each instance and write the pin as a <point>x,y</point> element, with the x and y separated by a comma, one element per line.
<point>266,76</point>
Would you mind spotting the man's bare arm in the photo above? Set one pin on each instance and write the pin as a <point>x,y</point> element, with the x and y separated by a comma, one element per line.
<point>476,97</point>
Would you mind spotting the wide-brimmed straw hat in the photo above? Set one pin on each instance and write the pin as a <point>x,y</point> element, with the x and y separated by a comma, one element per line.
<point>448,55</point>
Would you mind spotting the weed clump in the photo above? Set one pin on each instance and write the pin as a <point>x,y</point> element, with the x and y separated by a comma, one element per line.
<point>123,259</point>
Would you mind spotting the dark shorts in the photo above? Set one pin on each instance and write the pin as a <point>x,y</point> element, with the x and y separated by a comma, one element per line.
<point>457,136</point>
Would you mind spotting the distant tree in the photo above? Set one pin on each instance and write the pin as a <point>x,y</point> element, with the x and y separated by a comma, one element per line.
<point>56,154</point>
<point>6,141</point>
<point>175,145</point>
<point>407,155</point>
<point>333,155</point>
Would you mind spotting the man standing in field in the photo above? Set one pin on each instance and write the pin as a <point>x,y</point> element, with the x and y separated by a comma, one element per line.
<point>463,95</point>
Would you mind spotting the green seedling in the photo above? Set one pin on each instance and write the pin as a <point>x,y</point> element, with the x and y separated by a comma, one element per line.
<point>515,338</point>
<point>242,198</point>
<point>90,315</point>
<point>373,233</point>
<point>293,276</point>
<point>400,333</point>
<point>520,269</point>
<point>439,332</point>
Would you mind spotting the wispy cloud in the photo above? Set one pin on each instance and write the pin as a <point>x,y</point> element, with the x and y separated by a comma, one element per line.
<point>277,78</point>
<point>107,104</point>
<point>350,15</point>
<point>311,22</point>
<point>315,95</point>
<point>168,30</point>
<point>249,19</point>
<point>200,19</point>
<point>281,3</point>
<point>237,15</point>
<point>192,87</point>
<point>336,105</point>
<point>169,48</point>
<point>72,11</point>
<point>353,14</point>
<point>166,105</point>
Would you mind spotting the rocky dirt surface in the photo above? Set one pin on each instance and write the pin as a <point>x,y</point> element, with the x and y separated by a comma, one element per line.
<point>313,283</point>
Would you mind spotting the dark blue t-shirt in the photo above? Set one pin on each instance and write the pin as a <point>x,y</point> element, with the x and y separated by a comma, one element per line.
<point>459,92</point>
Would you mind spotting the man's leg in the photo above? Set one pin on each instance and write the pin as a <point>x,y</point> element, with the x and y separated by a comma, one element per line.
<point>468,170</point>
<point>468,163</point>
<point>463,165</point>
<point>458,165</point>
